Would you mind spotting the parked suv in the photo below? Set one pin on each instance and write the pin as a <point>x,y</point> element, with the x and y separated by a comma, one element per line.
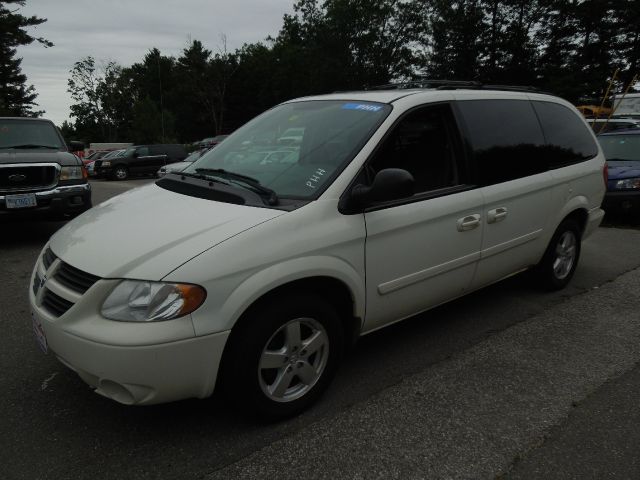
<point>38,175</point>
<point>139,160</point>
<point>259,273</point>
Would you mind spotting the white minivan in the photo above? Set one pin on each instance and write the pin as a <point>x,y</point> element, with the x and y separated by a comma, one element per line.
<point>251,273</point>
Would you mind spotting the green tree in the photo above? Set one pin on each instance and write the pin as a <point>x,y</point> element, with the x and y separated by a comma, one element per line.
<point>68,130</point>
<point>154,81</point>
<point>456,47</point>
<point>628,39</point>
<point>150,125</point>
<point>347,44</point>
<point>16,97</point>
<point>96,95</point>
<point>202,83</point>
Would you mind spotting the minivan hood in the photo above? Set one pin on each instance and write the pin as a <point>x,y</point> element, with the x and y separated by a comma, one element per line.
<point>37,156</point>
<point>148,232</point>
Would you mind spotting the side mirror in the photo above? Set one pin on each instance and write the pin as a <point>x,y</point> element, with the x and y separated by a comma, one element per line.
<point>388,184</point>
<point>135,155</point>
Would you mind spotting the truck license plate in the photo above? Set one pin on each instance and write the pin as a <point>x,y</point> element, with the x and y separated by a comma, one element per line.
<point>24,200</point>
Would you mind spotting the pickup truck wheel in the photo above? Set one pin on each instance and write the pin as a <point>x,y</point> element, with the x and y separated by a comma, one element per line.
<point>283,357</point>
<point>561,257</point>
<point>120,172</point>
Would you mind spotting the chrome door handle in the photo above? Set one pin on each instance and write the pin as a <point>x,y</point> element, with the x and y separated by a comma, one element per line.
<point>468,223</point>
<point>496,215</point>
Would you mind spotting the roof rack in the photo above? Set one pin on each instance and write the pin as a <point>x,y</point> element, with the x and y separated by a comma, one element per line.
<point>427,83</point>
<point>452,85</point>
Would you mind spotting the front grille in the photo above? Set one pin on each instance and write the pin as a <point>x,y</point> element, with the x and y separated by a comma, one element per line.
<point>36,284</point>
<point>74,278</point>
<point>62,275</point>
<point>27,177</point>
<point>55,304</point>
<point>48,257</point>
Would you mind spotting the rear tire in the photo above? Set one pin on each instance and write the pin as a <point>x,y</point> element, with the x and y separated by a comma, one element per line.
<point>282,357</point>
<point>560,260</point>
<point>120,172</point>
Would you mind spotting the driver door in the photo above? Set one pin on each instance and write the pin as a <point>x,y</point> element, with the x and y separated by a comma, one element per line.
<point>422,251</point>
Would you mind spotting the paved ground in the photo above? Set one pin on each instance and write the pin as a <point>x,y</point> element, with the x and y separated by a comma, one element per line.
<point>507,382</point>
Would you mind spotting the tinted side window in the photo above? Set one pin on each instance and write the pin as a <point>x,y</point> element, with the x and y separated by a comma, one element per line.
<point>143,151</point>
<point>506,139</point>
<point>423,143</point>
<point>568,139</point>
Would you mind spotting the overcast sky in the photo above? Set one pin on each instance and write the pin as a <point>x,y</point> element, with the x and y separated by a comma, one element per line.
<point>124,30</point>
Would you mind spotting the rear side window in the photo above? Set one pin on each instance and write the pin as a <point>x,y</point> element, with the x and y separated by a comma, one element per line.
<point>506,139</point>
<point>568,138</point>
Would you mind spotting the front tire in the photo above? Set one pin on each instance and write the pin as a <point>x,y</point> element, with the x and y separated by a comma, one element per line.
<point>283,356</point>
<point>560,260</point>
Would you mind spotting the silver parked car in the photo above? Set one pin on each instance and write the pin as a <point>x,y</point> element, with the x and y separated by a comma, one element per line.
<point>177,166</point>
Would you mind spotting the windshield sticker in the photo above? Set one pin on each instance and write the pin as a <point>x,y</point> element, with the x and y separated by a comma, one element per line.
<point>315,178</point>
<point>362,106</point>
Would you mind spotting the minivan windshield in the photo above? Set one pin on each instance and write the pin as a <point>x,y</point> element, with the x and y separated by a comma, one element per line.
<point>624,148</point>
<point>17,133</point>
<point>295,149</point>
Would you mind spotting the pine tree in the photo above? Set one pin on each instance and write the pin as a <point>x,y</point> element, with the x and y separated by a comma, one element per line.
<point>16,97</point>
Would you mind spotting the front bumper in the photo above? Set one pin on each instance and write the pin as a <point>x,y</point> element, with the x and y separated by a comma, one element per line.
<point>141,375</point>
<point>129,362</point>
<point>61,200</point>
<point>623,201</point>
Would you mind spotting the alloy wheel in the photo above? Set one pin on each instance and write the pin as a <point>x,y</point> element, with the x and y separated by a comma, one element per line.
<point>293,359</point>
<point>565,255</point>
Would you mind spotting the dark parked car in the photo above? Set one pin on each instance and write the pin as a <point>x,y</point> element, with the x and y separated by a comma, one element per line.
<point>139,160</point>
<point>622,150</point>
<point>602,125</point>
<point>38,175</point>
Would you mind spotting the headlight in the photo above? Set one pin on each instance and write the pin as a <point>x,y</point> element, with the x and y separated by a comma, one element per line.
<point>106,163</point>
<point>628,184</point>
<point>71,173</point>
<point>138,301</point>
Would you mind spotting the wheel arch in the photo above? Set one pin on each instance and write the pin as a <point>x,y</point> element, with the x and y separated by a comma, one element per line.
<point>341,297</point>
<point>336,291</point>
<point>580,215</point>
<point>576,208</point>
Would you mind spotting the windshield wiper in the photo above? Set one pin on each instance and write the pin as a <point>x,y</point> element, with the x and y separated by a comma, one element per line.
<point>32,145</point>
<point>249,182</point>
<point>201,177</point>
<point>227,173</point>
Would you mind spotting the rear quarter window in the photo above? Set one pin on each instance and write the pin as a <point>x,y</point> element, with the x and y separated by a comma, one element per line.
<point>505,137</point>
<point>568,139</point>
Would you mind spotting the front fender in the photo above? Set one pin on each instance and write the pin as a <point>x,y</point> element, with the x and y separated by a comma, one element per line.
<point>264,281</point>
